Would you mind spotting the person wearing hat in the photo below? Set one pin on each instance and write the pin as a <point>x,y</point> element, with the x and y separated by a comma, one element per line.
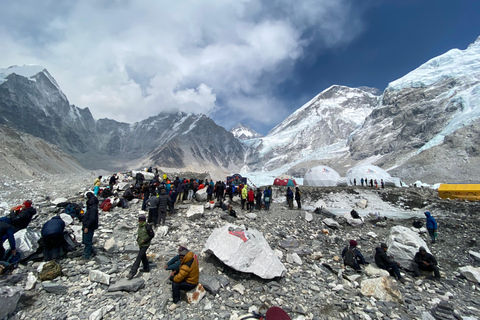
<point>20,219</point>
<point>174,263</point>
<point>431,226</point>
<point>425,261</point>
<point>352,256</point>
<point>145,235</point>
<point>386,262</point>
<point>186,278</point>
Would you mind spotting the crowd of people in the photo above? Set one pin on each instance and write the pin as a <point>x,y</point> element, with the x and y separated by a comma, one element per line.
<point>160,195</point>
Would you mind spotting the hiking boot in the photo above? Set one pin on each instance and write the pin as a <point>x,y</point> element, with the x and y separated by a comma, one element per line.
<point>145,270</point>
<point>129,276</point>
<point>402,280</point>
<point>173,306</point>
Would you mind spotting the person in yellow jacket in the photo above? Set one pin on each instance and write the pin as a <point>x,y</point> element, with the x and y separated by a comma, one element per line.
<point>96,185</point>
<point>244,196</point>
<point>186,278</point>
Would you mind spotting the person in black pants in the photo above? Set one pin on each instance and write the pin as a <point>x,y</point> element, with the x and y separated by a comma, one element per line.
<point>145,235</point>
<point>54,242</point>
<point>387,263</point>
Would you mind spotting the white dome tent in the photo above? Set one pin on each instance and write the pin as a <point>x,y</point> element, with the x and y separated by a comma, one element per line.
<point>321,176</point>
<point>371,172</point>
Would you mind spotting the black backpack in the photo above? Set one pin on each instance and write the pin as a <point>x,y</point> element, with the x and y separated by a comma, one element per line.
<point>349,259</point>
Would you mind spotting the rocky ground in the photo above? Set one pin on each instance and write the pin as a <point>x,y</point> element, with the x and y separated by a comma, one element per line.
<point>317,287</point>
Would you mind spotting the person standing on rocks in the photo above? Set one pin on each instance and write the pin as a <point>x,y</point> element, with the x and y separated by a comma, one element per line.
<point>244,194</point>
<point>258,199</point>
<point>298,197</point>
<point>251,200</point>
<point>425,261</point>
<point>113,181</point>
<point>146,195</point>
<point>153,209</point>
<point>386,262</point>
<point>145,235</point>
<point>96,185</point>
<point>172,197</point>
<point>54,242</point>
<point>89,225</point>
<point>162,206</point>
<point>186,278</point>
<point>352,256</point>
<point>290,198</point>
<point>431,226</point>
<point>267,197</point>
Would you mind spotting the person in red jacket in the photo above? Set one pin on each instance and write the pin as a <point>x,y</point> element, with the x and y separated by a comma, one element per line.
<point>251,199</point>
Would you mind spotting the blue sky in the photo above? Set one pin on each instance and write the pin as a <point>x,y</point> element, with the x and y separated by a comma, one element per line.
<point>249,61</point>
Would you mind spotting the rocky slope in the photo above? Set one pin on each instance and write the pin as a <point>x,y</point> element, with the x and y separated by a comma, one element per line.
<point>318,288</point>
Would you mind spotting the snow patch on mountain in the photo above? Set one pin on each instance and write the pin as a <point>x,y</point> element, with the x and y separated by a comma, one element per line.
<point>27,71</point>
<point>244,132</point>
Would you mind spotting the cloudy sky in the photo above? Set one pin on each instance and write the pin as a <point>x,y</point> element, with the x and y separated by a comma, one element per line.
<point>249,61</point>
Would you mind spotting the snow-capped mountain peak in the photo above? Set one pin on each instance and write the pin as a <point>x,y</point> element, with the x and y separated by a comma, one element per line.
<point>244,132</point>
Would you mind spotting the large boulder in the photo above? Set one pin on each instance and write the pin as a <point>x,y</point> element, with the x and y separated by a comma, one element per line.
<point>195,212</point>
<point>471,273</point>
<point>201,195</point>
<point>26,241</point>
<point>403,244</point>
<point>381,289</point>
<point>245,251</point>
<point>9,297</point>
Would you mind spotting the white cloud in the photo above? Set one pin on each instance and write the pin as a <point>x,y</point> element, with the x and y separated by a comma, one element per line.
<point>127,60</point>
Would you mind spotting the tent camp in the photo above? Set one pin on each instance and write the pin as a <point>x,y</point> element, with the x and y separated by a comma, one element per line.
<point>321,176</point>
<point>370,172</point>
<point>284,180</point>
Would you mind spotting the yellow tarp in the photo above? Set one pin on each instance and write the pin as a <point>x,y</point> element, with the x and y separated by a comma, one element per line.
<point>469,192</point>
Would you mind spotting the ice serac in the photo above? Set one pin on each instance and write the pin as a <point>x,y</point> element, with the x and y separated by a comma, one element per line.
<point>427,123</point>
<point>318,130</point>
<point>245,251</point>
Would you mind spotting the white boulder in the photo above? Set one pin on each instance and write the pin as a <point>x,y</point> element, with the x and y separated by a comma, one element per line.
<point>403,244</point>
<point>244,251</point>
<point>194,212</point>
<point>471,273</point>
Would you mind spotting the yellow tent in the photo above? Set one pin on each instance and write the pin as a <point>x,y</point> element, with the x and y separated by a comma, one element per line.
<point>469,192</point>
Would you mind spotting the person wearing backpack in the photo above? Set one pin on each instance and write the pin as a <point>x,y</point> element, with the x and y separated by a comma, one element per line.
<point>145,235</point>
<point>352,256</point>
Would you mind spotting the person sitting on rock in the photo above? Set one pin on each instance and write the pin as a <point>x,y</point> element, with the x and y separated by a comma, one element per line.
<point>231,212</point>
<point>386,262</point>
<point>186,278</point>
<point>54,242</point>
<point>128,194</point>
<point>174,263</point>
<point>425,261</point>
<point>106,193</point>
<point>352,256</point>
<point>145,235</point>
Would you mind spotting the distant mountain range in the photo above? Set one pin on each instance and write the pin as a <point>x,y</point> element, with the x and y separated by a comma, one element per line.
<point>424,126</point>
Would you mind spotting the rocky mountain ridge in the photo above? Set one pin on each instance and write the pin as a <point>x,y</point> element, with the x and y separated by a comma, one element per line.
<point>422,127</point>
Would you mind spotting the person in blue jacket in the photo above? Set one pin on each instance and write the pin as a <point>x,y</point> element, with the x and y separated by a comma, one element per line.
<point>174,263</point>
<point>431,226</point>
<point>54,242</point>
<point>6,232</point>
